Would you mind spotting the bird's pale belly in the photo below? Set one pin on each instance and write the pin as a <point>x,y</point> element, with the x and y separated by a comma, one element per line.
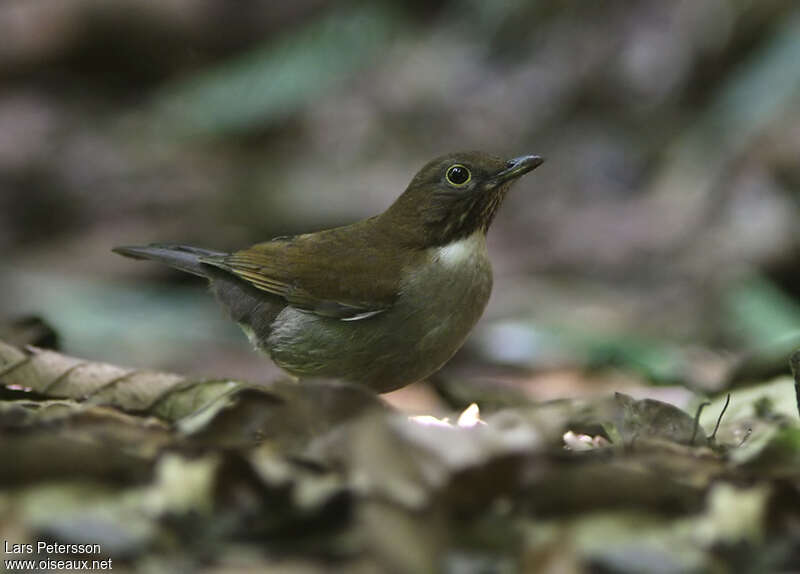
<point>438,306</point>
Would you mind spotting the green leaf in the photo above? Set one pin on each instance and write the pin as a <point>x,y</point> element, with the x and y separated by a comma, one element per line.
<point>764,315</point>
<point>276,80</point>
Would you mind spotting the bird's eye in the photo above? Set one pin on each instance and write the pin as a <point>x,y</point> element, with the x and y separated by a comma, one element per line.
<point>458,175</point>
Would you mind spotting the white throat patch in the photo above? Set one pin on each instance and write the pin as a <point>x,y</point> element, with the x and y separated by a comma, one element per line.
<point>462,251</point>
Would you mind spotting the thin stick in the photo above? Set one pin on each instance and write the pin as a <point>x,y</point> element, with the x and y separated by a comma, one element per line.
<point>719,418</point>
<point>794,364</point>
<point>697,421</point>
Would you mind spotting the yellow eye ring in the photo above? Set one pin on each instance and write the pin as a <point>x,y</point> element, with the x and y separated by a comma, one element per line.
<point>458,175</point>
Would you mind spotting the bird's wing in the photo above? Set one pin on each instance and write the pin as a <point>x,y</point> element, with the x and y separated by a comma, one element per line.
<point>339,274</point>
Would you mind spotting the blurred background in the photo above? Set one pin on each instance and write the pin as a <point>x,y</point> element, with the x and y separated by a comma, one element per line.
<point>658,243</point>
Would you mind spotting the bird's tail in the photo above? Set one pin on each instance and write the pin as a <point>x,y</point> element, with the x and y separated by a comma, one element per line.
<point>183,257</point>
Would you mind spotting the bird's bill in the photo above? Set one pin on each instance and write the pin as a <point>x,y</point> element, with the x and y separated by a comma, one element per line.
<point>517,167</point>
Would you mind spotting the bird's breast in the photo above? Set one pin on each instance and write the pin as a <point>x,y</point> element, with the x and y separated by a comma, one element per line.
<point>454,281</point>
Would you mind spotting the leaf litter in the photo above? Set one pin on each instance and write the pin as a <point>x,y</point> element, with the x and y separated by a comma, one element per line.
<point>171,473</point>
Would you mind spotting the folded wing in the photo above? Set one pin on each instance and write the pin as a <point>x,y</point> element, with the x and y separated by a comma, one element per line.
<point>344,273</point>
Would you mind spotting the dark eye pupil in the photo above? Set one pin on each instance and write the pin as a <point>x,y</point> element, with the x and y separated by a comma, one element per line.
<point>457,174</point>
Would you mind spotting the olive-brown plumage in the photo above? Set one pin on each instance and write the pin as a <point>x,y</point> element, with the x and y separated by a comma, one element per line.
<point>385,301</point>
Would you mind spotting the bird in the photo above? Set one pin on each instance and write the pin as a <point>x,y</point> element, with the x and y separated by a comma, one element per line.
<point>382,302</point>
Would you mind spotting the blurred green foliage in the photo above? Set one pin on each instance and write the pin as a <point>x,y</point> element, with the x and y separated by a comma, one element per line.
<point>269,83</point>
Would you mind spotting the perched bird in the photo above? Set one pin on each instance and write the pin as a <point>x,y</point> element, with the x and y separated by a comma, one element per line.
<point>385,301</point>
